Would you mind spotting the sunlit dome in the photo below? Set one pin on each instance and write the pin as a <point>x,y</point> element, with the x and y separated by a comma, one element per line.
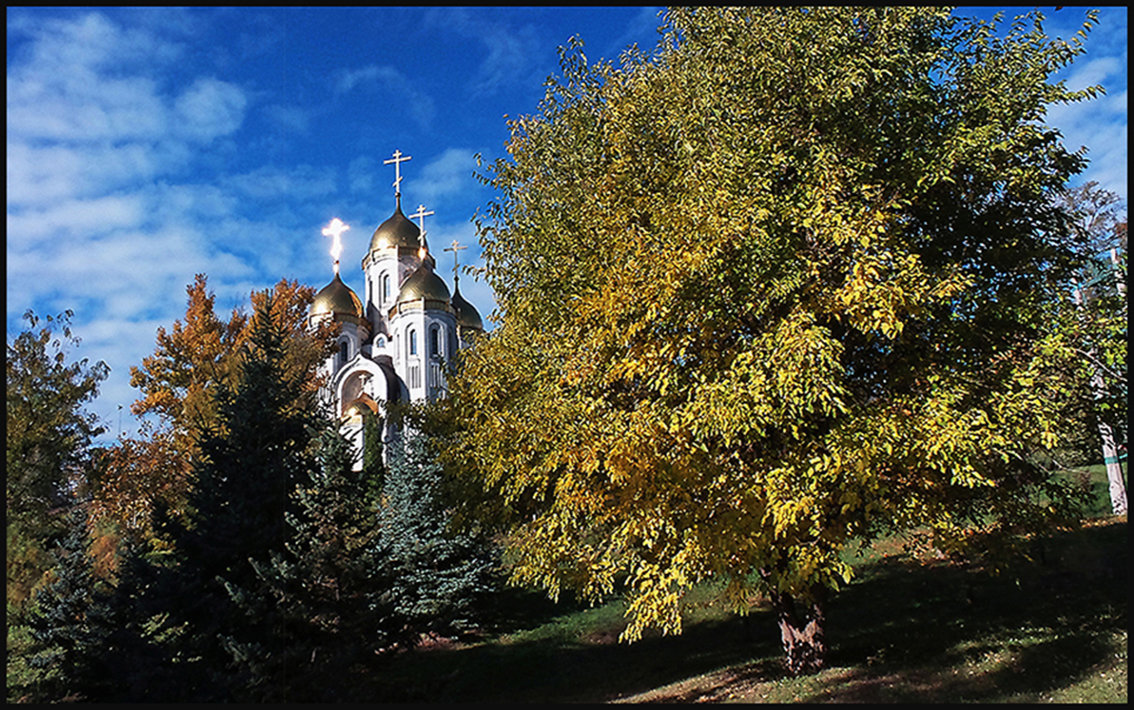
<point>337,298</point>
<point>397,231</point>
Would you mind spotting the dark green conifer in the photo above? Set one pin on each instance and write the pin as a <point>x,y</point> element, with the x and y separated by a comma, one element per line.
<point>243,479</point>
<point>323,592</point>
<point>65,621</point>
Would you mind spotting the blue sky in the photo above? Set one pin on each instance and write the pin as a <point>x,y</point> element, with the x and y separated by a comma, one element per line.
<point>145,145</point>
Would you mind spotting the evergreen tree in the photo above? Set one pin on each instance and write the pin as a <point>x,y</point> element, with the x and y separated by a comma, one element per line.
<point>250,462</point>
<point>326,594</point>
<point>66,622</point>
<point>136,664</point>
<point>442,577</point>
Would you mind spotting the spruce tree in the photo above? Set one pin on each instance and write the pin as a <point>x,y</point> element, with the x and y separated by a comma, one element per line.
<point>249,464</point>
<point>325,592</point>
<point>133,654</point>
<point>65,620</point>
<point>442,577</point>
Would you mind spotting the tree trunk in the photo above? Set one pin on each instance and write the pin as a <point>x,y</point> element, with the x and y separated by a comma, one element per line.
<point>1115,483</point>
<point>801,632</point>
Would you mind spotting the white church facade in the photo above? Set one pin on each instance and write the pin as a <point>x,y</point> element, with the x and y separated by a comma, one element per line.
<point>398,343</point>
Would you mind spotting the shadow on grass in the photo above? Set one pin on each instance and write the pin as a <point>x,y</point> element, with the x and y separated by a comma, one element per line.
<point>944,633</point>
<point>902,632</point>
<point>590,669</point>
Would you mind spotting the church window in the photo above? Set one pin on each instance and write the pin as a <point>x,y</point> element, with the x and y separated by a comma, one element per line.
<point>344,351</point>
<point>434,342</point>
<point>385,288</point>
<point>413,342</point>
<point>380,342</point>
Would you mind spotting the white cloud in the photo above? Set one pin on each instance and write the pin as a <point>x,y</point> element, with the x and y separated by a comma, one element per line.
<point>1092,72</point>
<point>447,175</point>
<point>77,104</point>
<point>291,119</point>
<point>1099,125</point>
<point>510,48</point>
<point>349,79</point>
<point>403,94</point>
<point>210,108</point>
<point>82,217</point>
<point>43,174</point>
<point>100,128</point>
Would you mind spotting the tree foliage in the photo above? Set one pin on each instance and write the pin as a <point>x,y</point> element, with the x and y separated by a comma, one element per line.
<point>179,386</point>
<point>778,287</point>
<point>440,577</point>
<point>250,461</point>
<point>324,601</point>
<point>48,440</point>
<point>68,620</point>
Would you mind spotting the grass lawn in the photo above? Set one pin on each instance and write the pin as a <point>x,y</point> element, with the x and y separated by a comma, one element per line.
<point>1049,630</point>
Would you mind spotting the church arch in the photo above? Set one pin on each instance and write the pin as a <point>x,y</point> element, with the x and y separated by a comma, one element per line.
<point>365,377</point>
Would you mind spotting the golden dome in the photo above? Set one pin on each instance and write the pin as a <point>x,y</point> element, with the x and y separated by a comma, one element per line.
<point>423,283</point>
<point>337,298</point>
<point>467,316</point>
<point>396,231</point>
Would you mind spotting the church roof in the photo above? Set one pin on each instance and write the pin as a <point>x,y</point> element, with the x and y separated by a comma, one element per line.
<point>466,313</point>
<point>423,283</point>
<point>397,231</point>
<point>337,298</point>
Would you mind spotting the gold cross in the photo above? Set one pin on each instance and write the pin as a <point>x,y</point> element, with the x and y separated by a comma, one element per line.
<point>397,160</point>
<point>454,247</point>
<point>421,214</point>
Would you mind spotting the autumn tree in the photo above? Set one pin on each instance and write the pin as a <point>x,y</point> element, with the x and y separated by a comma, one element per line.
<point>777,287</point>
<point>179,385</point>
<point>48,437</point>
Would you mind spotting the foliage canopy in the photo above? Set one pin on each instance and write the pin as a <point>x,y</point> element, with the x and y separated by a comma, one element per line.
<point>179,385</point>
<point>48,438</point>
<point>778,287</point>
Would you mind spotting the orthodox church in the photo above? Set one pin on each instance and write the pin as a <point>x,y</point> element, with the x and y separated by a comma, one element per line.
<point>398,343</point>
